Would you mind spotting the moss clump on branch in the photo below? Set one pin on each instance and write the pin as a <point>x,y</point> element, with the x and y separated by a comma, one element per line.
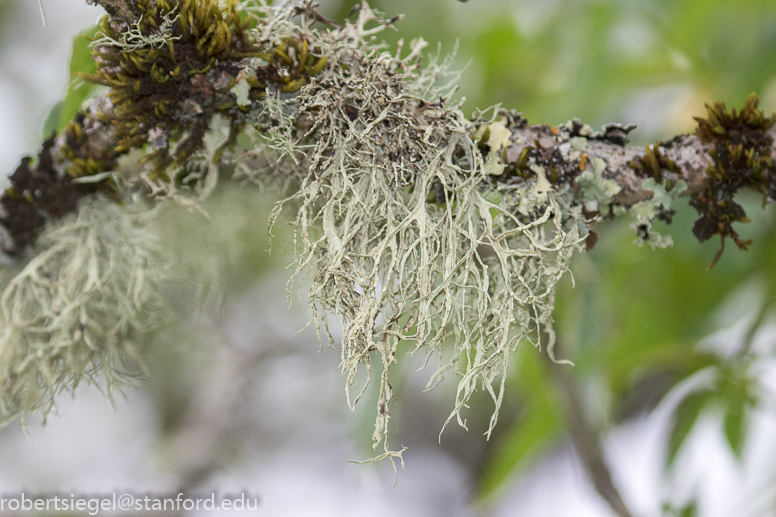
<point>176,59</point>
<point>741,158</point>
<point>38,192</point>
<point>81,155</point>
<point>179,65</point>
<point>653,163</point>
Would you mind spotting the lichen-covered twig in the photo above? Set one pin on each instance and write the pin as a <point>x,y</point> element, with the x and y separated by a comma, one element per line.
<point>415,224</point>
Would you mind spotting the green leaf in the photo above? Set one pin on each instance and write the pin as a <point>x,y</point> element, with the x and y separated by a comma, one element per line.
<point>734,428</point>
<point>539,426</point>
<point>686,415</point>
<point>78,89</point>
<point>51,125</point>
<point>689,510</point>
<point>736,390</point>
<point>529,437</point>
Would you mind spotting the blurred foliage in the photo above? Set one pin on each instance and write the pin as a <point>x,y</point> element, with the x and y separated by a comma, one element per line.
<point>77,89</point>
<point>538,425</point>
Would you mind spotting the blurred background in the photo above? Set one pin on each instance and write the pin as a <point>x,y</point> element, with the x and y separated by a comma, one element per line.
<point>675,376</point>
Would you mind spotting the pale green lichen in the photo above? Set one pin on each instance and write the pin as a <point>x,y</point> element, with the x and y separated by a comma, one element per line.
<point>78,308</point>
<point>495,134</point>
<point>465,278</point>
<point>537,194</point>
<point>201,170</point>
<point>661,199</point>
<point>645,213</point>
<point>596,191</point>
<point>134,39</point>
<point>578,143</point>
<point>241,89</point>
<point>497,137</point>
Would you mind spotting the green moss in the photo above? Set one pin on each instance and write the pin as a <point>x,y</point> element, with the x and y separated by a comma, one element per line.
<point>741,157</point>
<point>653,163</point>
<point>726,125</point>
<point>187,52</point>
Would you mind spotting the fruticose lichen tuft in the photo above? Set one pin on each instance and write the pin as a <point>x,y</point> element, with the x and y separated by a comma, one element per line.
<point>77,309</point>
<point>366,144</point>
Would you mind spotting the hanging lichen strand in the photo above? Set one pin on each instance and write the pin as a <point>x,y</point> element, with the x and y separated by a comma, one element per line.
<point>79,309</point>
<point>404,236</point>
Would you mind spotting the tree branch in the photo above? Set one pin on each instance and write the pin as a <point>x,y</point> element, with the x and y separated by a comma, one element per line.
<point>125,10</point>
<point>586,440</point>
<point>212,409</point>
<point>567,151</point>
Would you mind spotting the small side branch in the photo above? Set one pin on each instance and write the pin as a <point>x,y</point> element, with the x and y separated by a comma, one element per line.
<point>586,440</point>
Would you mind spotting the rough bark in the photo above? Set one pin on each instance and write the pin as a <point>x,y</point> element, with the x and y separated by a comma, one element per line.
<point>125,10</point>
